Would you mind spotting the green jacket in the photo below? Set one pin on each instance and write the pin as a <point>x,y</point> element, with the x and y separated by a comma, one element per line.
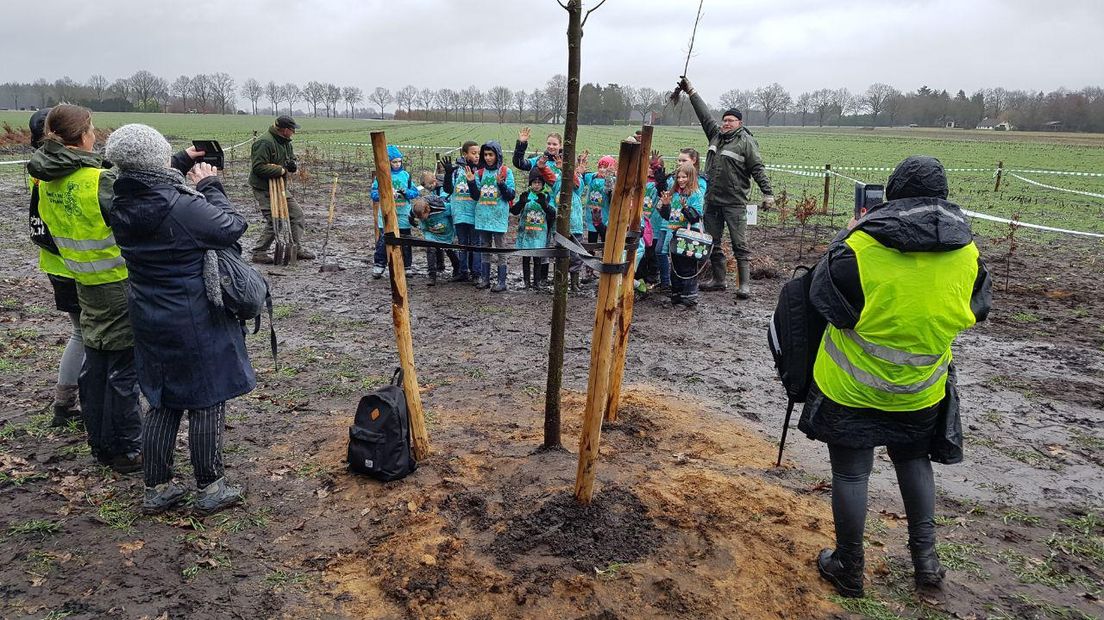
<point>270,153</point>
<point>732,161</point>
<point>105,322</point>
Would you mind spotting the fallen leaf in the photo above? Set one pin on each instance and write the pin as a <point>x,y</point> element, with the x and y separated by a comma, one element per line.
<point>131,547</point>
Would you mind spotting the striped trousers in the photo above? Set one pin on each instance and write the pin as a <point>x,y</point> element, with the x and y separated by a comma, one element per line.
<point>205,428</point>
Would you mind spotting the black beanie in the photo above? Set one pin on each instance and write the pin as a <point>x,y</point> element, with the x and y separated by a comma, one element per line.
<point>733,112</point>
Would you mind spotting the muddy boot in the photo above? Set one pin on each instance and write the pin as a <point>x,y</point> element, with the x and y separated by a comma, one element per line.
<point>377,271</point>
<point>303,254</point>
<point>485,277</point>
<point>929,571</point>
<point>216,496</point>
<point>261,257</point>
<point>573,282</point>
<point>744,268</point>
<point>500,285</point>
<point>65,405</point>
<point>128,463</point>
<point>542,276</point>
<point>162,497</point>
<point>845,575</point>
<point>525,274</point>
<point>432,279</point>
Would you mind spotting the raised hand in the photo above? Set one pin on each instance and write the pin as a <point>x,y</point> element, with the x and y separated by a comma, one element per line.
<point>523,135</point>
<point>665,197</point>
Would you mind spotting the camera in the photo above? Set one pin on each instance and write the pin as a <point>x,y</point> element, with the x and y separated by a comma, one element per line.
<point>212,153</point>
<point>550,157</point>
<point>867,196</point>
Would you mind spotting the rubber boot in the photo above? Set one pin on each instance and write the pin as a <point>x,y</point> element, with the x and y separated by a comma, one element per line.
<point>500,285</point>
<point>573,282</point>
<point>65,405</point>
<point>542,276</point>
<point>744,268</point>
<point>525,273</point>
<point>432,279</point>
<point>485,277</point>
<point>716,279</point>
<point>845,575</point>
<point>928,571</point>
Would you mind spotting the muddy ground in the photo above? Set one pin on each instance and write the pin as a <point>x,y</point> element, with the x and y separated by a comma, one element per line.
<point>690,519</point>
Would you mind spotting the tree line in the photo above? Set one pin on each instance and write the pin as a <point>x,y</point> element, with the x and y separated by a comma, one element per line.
<point>879,105</point>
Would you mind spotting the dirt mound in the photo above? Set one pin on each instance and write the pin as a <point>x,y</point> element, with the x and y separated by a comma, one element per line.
<point>614,528</point>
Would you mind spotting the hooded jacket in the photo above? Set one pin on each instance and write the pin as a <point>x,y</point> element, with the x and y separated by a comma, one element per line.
<point>493,197</point>
<point>269,155</point>
<point>189,354</point>
<point>732,161</point>
<point>917,218</point>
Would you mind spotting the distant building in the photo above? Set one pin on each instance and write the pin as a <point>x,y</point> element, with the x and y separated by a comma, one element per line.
<point>993,124</point>
<point>950,125</point>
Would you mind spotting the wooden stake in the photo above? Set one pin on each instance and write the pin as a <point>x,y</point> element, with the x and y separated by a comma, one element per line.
<point>827,179</point>
<point>624,311</point>
<point>1000,171</point>
<point>400,310</point>
<point>628,173</point>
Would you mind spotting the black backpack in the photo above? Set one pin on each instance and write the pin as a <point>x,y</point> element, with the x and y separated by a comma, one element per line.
<point>794,335</point>
<point>379,439</point>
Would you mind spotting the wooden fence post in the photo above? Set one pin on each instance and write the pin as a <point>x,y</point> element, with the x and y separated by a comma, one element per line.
<point>827,179</point>
<point>1000,171</point>
<point>628,175</point>
<point>400,309</point>
<point>624,310</point>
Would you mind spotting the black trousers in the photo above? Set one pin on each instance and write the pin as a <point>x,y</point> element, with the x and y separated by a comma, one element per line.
<point>109,402</point>
<point>205,428</point>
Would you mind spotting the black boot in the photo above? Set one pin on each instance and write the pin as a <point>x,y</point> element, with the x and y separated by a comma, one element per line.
<point>929,571</point>
<point>573,281</point>
<point>845,575</point>
<point>542,276</point>
<point>526,273</point>
<point>432,279</point>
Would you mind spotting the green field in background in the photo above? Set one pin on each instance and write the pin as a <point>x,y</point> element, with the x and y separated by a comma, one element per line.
<point>847,147</point>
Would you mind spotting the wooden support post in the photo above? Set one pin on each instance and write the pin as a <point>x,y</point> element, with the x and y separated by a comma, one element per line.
<point>400,309</point>
<point>827,179</point>
<point>628,175</point>
<point>624,311</point>
<point>1000,171</point>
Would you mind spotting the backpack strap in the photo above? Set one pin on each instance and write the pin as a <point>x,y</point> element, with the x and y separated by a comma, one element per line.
<point>397,378</point>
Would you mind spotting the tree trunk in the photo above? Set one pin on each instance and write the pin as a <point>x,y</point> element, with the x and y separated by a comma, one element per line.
<point>563,227</point>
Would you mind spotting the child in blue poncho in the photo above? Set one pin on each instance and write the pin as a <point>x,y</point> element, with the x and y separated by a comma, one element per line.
<point>434,216</point>
<point>463,208</point>
<point>403,186</point>
<point>492,188</point>
<point>682,207</point>
<point>536,219</point>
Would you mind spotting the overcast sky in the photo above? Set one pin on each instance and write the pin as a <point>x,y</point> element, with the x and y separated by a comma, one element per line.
<point>803,45</point>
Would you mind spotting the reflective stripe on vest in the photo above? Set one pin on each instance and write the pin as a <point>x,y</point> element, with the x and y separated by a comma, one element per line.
<point>915,303</point>
<point>48,262</point>
<point>70,206</point>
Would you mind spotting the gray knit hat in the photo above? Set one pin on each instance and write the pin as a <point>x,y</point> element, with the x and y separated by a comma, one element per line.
<point>138,147</point>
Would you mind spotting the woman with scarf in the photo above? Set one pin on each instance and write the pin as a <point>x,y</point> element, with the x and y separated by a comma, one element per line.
<point>190,354</point>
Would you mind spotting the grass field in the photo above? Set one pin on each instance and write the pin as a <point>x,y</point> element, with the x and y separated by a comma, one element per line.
<point>781,146</point>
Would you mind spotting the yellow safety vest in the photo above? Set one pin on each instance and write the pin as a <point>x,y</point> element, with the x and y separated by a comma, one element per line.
<point>896,357</point>
<point>48,262</point>
<point>70,206</point>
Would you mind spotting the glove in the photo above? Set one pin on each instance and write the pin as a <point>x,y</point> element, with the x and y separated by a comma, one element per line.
<point>768,203</point>
<point>684,84</point>
<point>291,166</point>
<point>446,162</point>
<point>501,177</point>
<point>375,195</point>
<point>411,193</point>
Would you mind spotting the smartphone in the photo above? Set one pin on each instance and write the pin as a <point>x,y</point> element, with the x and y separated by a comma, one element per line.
<point>212,152</point>
<point>867,196</point>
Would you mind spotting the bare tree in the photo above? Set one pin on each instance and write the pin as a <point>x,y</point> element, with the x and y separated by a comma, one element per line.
<point>144,85</point>
<point>182,88</point>
<point>556,96</point>
<point>65,88</point>
<point>538,101</point>
<point>647,101</point>
<point>821,103</point>
<point>739,99</point>
<point>201,90</point>
<point>404,98</point>
<point>772,99</point>
<point>15,89</point>
<point>98,85</point>
<point>444,98</point>
<point>352,96</point>
<point>223,89</point>
<point>874,100</point>
<point>425,100</point>
<point>253,91</point>
<point>381,97</point>
<point>333,95</point>
<point>842,103</point>
<point>804,105</point>
<point>42,89</point>
<point>520,97</point>
<point>465,100</point>
<point>292,94</point>
<point>996,102</point>
<point>500,99</point>
<point>314,93</point>
<point>121,88</point>
<point>275,95</point>
<point>473,97</point>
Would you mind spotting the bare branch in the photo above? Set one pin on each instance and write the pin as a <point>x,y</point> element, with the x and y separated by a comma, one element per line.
<point>586,15</point>
<point>562,5</point>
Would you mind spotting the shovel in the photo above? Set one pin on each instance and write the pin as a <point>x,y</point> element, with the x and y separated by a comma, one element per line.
<point>329,225</point>
<point>279,251</point>
<point>292,257</point>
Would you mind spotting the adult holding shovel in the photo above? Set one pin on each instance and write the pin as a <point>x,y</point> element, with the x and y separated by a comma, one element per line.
<point>273,158</point>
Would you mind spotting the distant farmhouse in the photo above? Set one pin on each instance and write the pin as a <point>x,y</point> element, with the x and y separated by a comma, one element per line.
<point>995,125</point>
